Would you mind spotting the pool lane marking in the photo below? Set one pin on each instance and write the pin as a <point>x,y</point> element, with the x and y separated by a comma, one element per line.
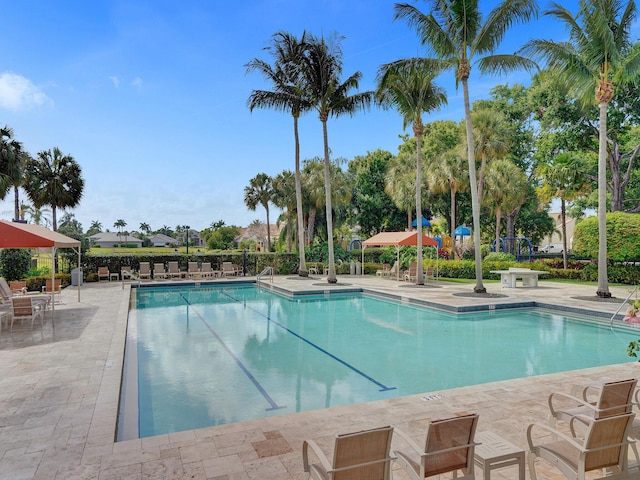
<point>383,388</point>
<point>267,397</point>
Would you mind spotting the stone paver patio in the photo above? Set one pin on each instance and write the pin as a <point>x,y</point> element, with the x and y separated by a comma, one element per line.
<point>59,393</point>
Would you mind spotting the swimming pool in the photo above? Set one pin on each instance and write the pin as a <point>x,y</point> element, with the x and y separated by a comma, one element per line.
<point>219,354</point>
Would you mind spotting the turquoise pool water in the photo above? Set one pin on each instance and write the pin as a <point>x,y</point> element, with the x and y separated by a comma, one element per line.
<point>215,355</point>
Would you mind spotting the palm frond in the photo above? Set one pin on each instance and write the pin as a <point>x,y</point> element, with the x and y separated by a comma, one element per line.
<point>505,63</point>
<point>500,19</point>
<point>434,35</point>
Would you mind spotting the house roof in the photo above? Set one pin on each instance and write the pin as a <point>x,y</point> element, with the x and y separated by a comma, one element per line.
<point>24,235</point>
<point>162,238</point>
<point>113,237</point>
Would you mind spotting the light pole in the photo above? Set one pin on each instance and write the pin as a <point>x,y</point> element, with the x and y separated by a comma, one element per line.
<point>187,237</point>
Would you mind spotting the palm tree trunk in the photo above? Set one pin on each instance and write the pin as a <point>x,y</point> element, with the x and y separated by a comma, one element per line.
<point>268,230</point>
<point>483,167</point>
<point>417,128</point>
<point>327,186</point>
<point>453,223</point>
<point>302,268</point>
<point>54,220</point>
<point>563,219</point>
<point>311,227</point>
<point>498,218</point>
<point>475,206</point>
<point>603,283</point>
<point>16,204</point>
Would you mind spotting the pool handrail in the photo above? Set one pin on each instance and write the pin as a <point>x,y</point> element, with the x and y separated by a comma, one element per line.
<point>626,300</point>
<point>263,273</point>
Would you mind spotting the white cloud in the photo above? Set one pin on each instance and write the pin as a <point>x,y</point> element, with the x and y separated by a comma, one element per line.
<point>19,93</point>
<point>137,83</point>
<point>115,80</point>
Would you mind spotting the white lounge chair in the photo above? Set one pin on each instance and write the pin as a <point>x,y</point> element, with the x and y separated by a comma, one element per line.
<point>193,270</point>
<point>174,271</point>
<point>229,269</point>
<point>206,270</point>
<point>145,270</point>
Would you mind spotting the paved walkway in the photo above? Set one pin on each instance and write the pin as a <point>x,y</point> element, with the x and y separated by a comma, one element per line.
<point>59,392</point>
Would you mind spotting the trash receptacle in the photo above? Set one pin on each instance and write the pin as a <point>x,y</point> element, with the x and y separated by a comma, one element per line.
<point>76,277</point>
<point>358,268</point>
<point>352,268</point>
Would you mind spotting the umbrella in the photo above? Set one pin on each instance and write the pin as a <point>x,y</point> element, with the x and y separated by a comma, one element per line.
<point>425,222</point>
<point>462,231</point>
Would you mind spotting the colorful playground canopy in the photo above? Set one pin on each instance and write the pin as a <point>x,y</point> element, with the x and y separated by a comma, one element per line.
<point>425,222</point>
<point>398,239</point>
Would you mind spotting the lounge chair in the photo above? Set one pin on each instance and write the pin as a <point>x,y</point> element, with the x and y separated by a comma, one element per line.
<point>174,270</point>
<point>145,270</point>
<point>229,269</point>
<point>313,269</point>
<point>159,271</point>
<point>449,448</point>
<point>193,271</point>
<point>26,308</point>
<point>7,295</point>
<point>393,271</point>
<point>206,270</point>
<point>613,398</point>
<point>385,270</point>
<point>605,446</point>
<point>360,455</point>
<point>103,272</point>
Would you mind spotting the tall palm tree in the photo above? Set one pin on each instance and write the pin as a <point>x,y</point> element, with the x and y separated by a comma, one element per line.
<point>453,30</point>
<point>410,89</point>
<point>288,94</point>
<point>120,224</point>
<point>597,57</point>
<point>12,159</point>
<point>563,178</point>
<point>55,180</point>
<point>331,97</point>
<point>313,183</point>
<point>259,192</point>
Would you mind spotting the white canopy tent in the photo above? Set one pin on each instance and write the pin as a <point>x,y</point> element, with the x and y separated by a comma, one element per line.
<point>397,239</point>
<point>24,235</point>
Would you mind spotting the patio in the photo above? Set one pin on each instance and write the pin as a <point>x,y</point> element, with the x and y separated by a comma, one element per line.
<point>59,392</point>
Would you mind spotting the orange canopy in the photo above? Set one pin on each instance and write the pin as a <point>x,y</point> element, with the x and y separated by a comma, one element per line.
<point>399,239</point>
<point>24,235</point>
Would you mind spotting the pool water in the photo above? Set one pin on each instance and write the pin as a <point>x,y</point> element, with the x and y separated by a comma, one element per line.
<point>215,355</point>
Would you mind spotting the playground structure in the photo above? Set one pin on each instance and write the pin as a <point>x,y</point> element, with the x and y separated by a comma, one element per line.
<point>504,242</point>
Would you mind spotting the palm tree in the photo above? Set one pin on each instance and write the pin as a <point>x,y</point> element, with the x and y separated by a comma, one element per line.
<point>12,159</point>
<point>410,89</point>
<point>563,178</point>
<point>448,174</point>
<point>145,227</point>
<point>398,184</point>
<point>288,95</point>
<point>330,97</point>
<point>53,179</point>
<point>120,224</point>
<point>259,192</point>
<point>284,197</point>
<point>313,183</point>
<point>455,33</point>
<point>598,57</point>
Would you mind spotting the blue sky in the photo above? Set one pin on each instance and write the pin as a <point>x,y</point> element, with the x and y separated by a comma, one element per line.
<point>149,96</point>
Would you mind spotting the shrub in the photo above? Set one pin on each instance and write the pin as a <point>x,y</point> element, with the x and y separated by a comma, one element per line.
<point>500,257</point>
<point>623,237</point>
<point>14,263</point>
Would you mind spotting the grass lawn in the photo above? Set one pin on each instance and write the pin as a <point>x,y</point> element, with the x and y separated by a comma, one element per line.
<point>147,250</point>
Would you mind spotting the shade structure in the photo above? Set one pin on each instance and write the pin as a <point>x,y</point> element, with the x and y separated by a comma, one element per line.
<point>462,231</point>
<point>24,235</point>
<point>425,222</point>
<point>397,239</point>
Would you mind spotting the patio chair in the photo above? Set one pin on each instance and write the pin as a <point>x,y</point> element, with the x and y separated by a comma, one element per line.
<point>193,271</point>
<point>206,270</point>
<point>145,270</point>
<point>385,270</point>
<point>449,448</point>
<point>103,272</point>
<point>605,446</point>
<point>126,273</point>
<point>410,274</point>
<point>613,398</point>
<point>229,269</point>
<point>159,271</point>
<point>174,270</point>
<point>313,269</point>
<point>26,308</point>
<point>18,287</point>
<point>54,289</point>
<point>358,456</point>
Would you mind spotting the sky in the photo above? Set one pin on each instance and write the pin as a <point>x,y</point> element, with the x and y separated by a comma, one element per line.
<point>150,97</point>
